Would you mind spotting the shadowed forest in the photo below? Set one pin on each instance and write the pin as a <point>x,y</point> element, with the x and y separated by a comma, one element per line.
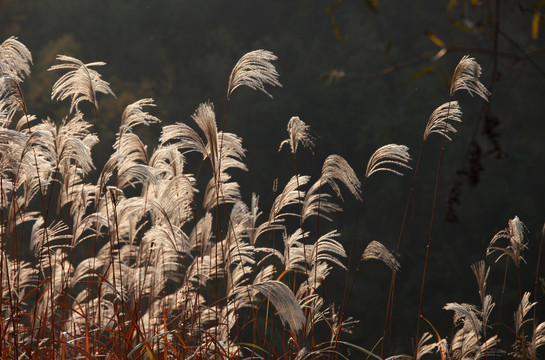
<point>335,81</point>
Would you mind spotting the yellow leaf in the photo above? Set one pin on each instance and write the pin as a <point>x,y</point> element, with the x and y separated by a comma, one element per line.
<point>421,72</point>
<point>434,39</point>
<point>535,25</point>
<point>451,4</point>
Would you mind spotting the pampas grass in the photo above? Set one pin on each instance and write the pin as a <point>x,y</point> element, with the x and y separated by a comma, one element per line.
<point>153,261</point>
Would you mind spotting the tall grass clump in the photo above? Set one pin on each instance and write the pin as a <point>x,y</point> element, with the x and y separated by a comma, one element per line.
<point>140,258</point>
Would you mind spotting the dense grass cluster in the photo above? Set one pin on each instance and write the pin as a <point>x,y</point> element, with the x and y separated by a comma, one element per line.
<point>152,261</point>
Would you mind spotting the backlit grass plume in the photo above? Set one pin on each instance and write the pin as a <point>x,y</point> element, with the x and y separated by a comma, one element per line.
<point>386,156</point>
<point>299,133</point>
<point>15,59</point>
<point>156,254</point>
<point>254,70</point>
<point>439,121</point>
<point>79,83</point>
<point>467,76</point>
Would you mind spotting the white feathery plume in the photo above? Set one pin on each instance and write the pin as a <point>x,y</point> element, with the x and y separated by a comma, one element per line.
<point>11,100</point>
<point>294,251</point>
<point>337,168</point>
<point>47,239</point>
<point>284,301</point>
<point>466,314</point>
<point>254,70</point>
<point>515,233</point>
<point>205,117</point>
<point>15,59</point>
<point>538,340</point>
<point>291,195</point>
<point>79,83</point>
<point>318,203</point>
<point>439,121</point>
<point>388,154</point>
<point>424,348</point>
<point>298,131</point>
<point>376,250</point>
<point>466,76</point>
<point>135,115</point>
<point>481,274</point>
<point>229,192</point>
<point>524,307</point>
<point>316,277</point>
<point>326,248</point>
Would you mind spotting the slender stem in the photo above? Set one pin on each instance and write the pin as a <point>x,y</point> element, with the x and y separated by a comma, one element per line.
<point>433,212</point>
<point>389,306</point>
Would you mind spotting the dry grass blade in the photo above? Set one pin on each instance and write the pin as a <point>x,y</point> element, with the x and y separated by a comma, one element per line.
<point>79,83</point>
<point>391,154</point>
<point>376,250</point>
<point>284,301</point>
<point>15,59</point>
<point>466,76</point>
<point>254,70</point>
<point>298,131</point>
<point>439,119</point>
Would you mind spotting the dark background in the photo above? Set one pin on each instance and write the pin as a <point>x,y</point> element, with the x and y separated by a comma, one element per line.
<point>181,54</point>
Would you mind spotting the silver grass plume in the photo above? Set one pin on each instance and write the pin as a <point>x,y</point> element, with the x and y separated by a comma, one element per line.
<point>391,154</point>
<point>481,274</point>
<point>377,251</point>
<point>318,204</point>
<point>284,301</point>
<point>15,59</point>
<point>11,100</point>
<point>326,248</point>
<point>134,114</point>
<point>466,76</point>
<point>298,131</point>
<point>291,195</point>
<point>254,70</point>
<point>524,307</point>
<point>521,343</point>
<point>424,348</point>
<point>538,340</point>
<point>439,121</point>
<point>79,83</point>
<point>515,234</point>
<point>466,315</point>
<point>337,168</point>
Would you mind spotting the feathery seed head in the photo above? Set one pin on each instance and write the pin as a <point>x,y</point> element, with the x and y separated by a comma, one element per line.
<point>377,251</point>
<point>298,131</point>
<point>515,233</point>
<point>439,119</point>
<point>254,70</point>
<point>11,100</point>
<point>15,59</point>
<point>466,76</point>
<point>80,83</point>
<point>388,154</point>
<point>337,168</point>
<point>134,114</point>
